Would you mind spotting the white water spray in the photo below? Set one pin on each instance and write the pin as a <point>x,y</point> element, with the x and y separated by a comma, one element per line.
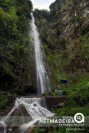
<point>42,77</point>
<point>34,110</point>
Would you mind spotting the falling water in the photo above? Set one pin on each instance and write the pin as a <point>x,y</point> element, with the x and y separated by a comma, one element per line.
<point>35,107</point>
<point>42,77</point>
<point>35,111</point>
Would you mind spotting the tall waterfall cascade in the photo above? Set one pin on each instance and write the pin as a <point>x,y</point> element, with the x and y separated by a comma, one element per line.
<point>34,107</point>
<point>42,77</point>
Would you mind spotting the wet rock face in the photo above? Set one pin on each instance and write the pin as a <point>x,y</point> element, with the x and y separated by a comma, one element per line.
<point>68,21</point>
<point>75,19</point>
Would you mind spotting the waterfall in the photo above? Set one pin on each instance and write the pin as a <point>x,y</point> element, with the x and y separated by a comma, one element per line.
<point>34,107</point>
<point>42,77</point>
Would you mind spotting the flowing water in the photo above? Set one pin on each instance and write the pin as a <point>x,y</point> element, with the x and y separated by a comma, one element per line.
<point>42,77</point>
<point>35,107</point>
<point>35,111</point>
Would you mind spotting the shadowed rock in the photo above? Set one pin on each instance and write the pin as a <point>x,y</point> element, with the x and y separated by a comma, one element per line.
<point>2,127</point>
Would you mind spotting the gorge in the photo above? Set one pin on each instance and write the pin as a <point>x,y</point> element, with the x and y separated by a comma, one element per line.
<point>63,35</point>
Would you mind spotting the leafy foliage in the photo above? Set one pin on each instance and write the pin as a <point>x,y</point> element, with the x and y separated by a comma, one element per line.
<point>39,14</point>
<point>14,41</point>
<point>6,98</point>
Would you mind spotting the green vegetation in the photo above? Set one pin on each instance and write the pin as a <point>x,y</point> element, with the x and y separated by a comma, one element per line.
<point>14,45</point>
<point>65,37</point>
<point>67,54</point>
<point>60,130</point>
<point>64,32</point>
<point>41,14</point>
<point>6,98</point>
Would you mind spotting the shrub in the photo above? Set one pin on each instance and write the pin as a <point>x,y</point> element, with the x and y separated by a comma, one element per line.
<point>6,98</point>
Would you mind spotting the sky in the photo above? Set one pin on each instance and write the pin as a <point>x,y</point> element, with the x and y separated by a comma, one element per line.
<point>42,4</point>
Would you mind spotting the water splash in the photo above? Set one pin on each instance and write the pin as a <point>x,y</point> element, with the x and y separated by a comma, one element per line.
<point>42,77</point>
<point>34,110</point>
